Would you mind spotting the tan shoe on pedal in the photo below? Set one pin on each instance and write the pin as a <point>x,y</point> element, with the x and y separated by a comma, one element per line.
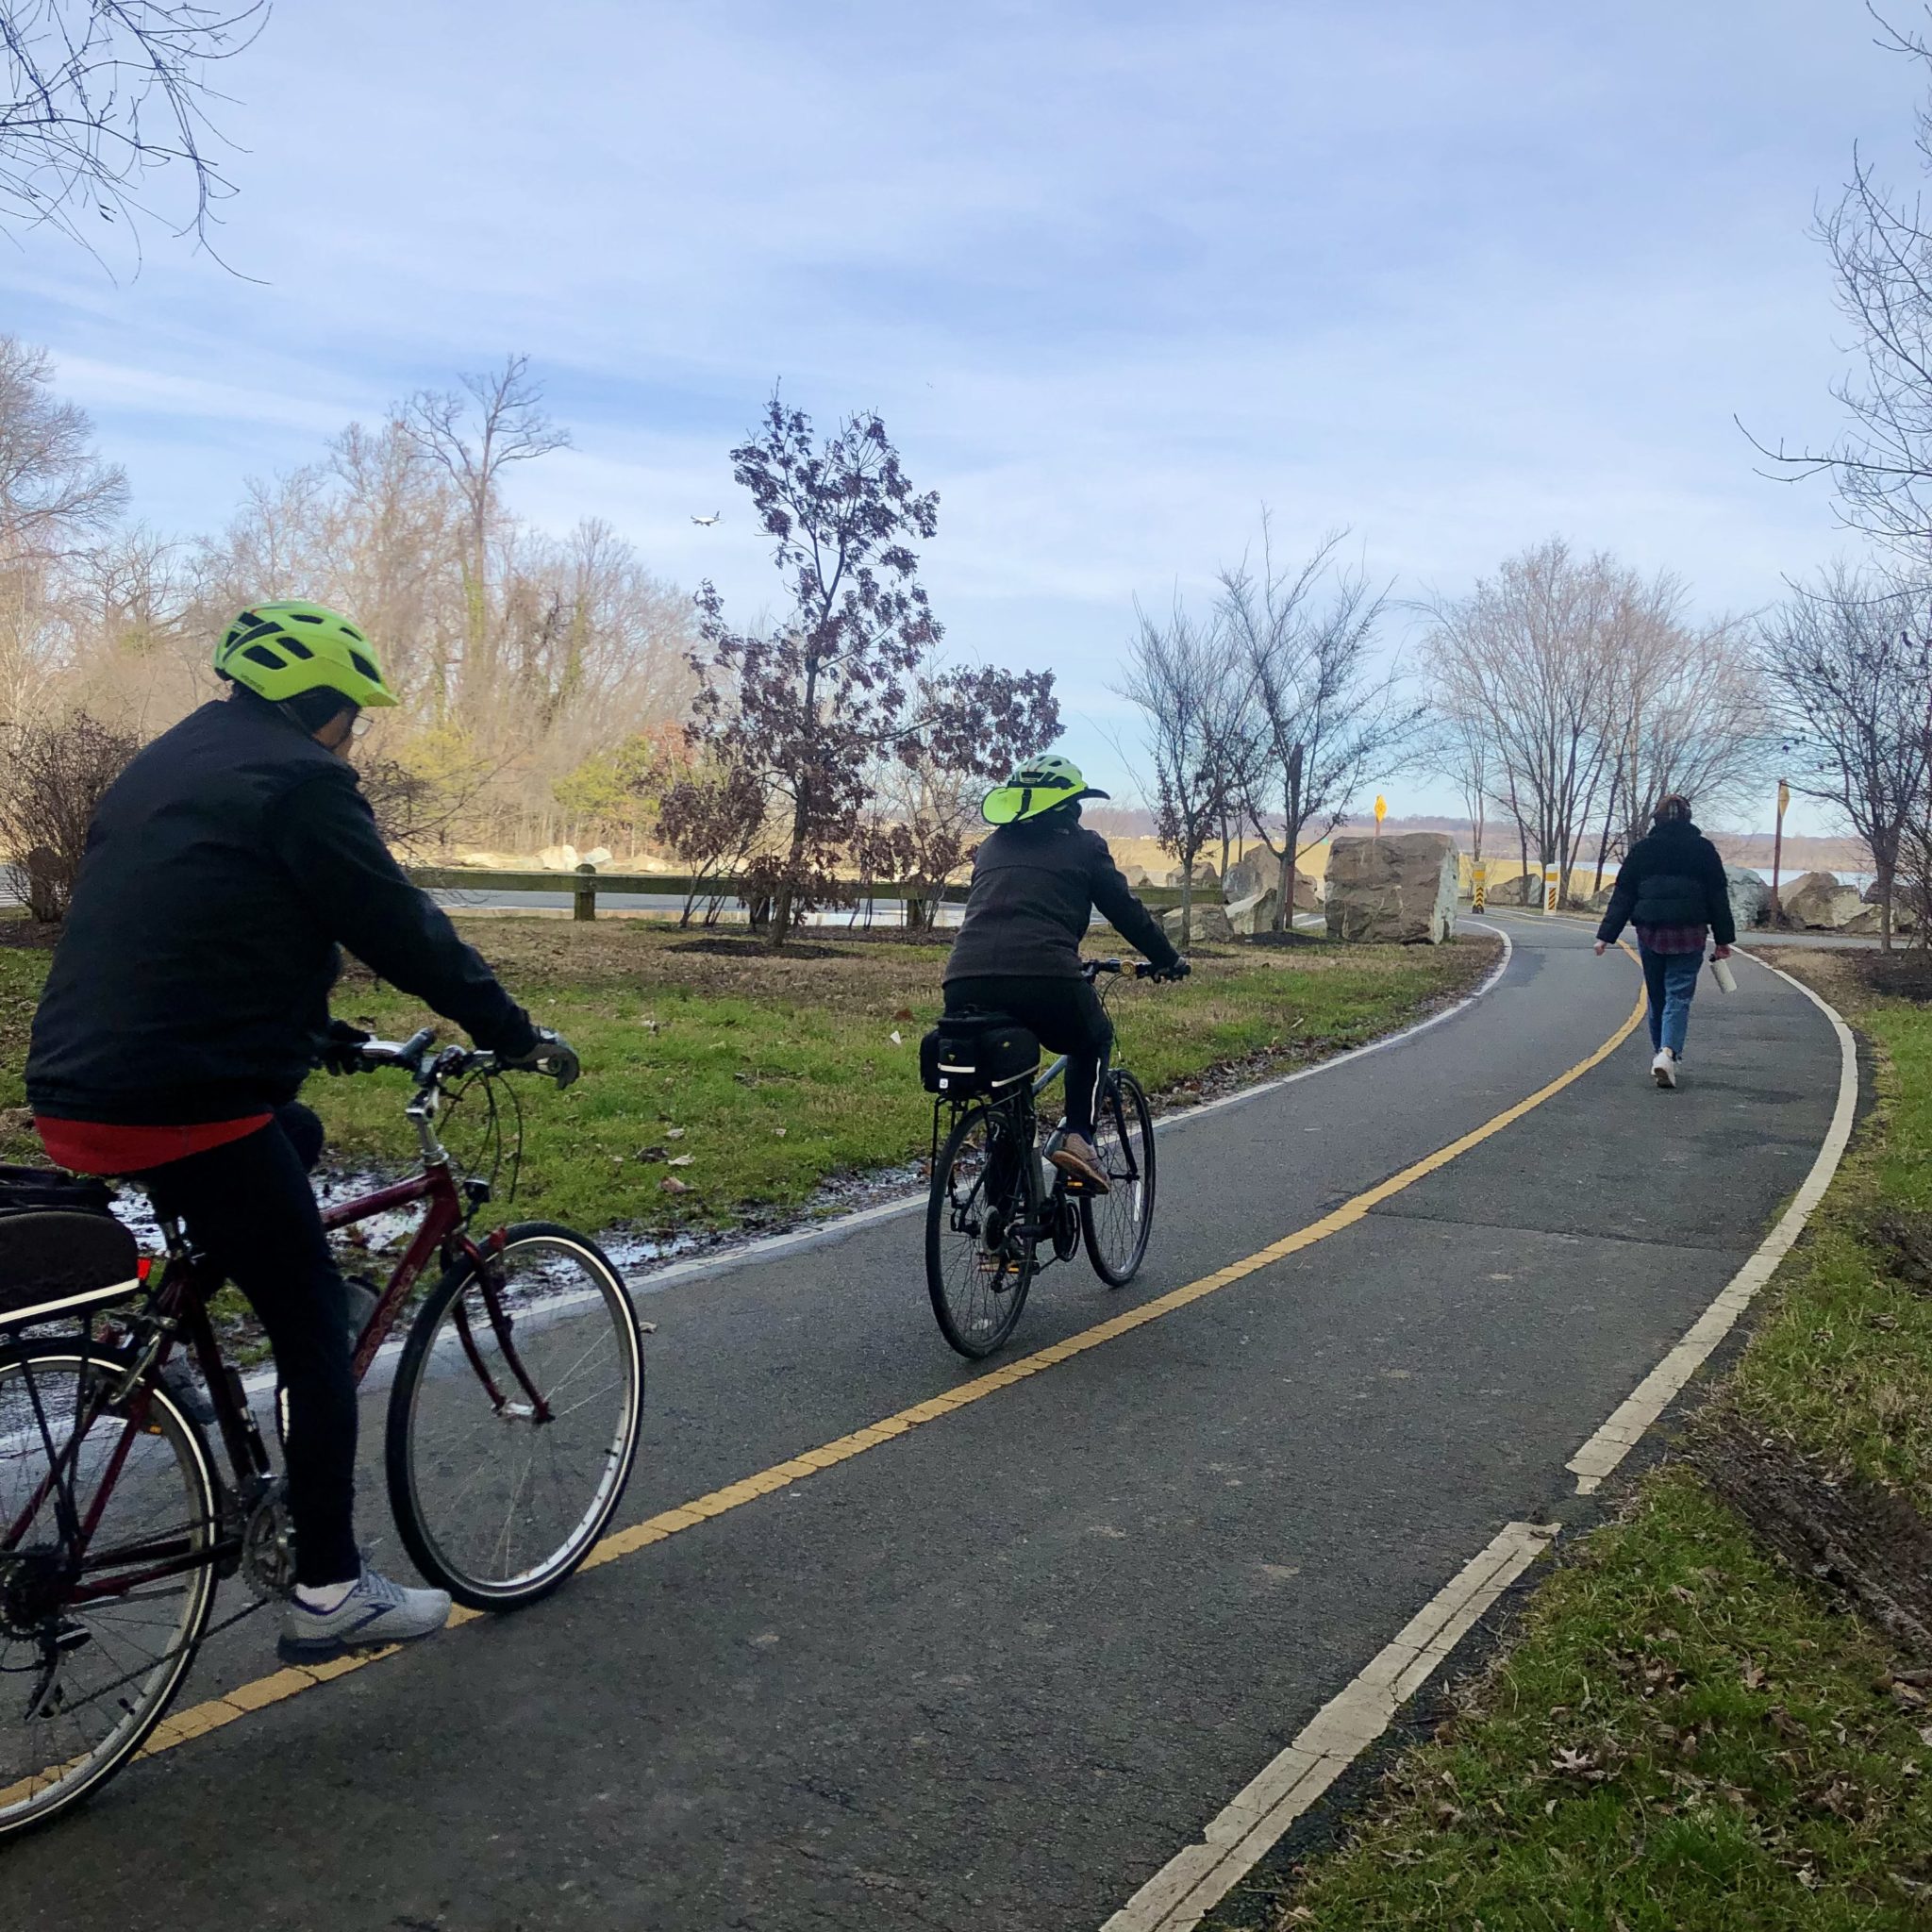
<point>1076,1158</point>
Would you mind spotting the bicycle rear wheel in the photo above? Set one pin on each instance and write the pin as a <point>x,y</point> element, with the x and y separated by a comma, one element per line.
<point>514,1421</point>
<point>84,1680</point>
<point>1118,1222</point>
<point>980,1255</point>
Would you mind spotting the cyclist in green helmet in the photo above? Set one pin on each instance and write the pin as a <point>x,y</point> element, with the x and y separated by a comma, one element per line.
<point>188,1001</point>
<point>1036,883</point>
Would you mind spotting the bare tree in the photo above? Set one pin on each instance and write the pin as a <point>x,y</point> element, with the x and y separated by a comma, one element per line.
<point>1177,676</point>
<point>51,780</point>
<point>1533,655</point>
<point>1325,715</point>
<point>1854,686</point>
<point>101,96</point>
<point>496,420</point>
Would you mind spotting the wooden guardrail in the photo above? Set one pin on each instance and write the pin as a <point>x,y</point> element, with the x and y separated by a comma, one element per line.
<point>587,886</point>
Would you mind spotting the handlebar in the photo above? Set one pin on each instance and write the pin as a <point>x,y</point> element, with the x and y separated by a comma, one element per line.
<point>1091,970</point>
<point>409,1054</point>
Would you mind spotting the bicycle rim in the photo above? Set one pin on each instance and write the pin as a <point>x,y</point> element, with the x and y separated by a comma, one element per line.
<point>514,1421</point>
<point>82,1687</point>
<point>976,1272</point>
<point>1118,1222</point>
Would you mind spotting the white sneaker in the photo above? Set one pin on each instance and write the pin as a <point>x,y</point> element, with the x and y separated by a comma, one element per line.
<point>1663,1070</point>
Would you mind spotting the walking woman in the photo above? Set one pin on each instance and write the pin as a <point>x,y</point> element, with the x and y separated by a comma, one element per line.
<point>1671,889</point>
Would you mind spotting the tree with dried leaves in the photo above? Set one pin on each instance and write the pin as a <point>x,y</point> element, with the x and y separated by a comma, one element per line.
<point>807,709</point>
<point>1850,671</point>
<point>103,99</point>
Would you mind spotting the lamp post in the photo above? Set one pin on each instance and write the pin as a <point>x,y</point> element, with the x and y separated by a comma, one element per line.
<point>1777,850</point>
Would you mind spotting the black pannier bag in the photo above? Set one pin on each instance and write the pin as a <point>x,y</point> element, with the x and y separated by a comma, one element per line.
<point>60,1249</point>
<point>977,1053</point>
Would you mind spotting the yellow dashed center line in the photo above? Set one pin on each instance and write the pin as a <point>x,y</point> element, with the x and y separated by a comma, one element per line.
<point>201,1718</point>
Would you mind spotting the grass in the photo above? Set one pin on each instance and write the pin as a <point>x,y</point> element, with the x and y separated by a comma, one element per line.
<point>1684,1733</point>
<point>769,1075</point>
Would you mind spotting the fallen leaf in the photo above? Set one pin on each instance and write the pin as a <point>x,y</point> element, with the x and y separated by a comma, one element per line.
<point>680,1160</point>
<point>779,1131</point>
<point>673,1133</point>
<point>672,1185</point>
<point>896,1039</point>
<point>903,1014</point>
<point>1573,1763</point>
<point>648,1153</point>
<point>1753,1676</point>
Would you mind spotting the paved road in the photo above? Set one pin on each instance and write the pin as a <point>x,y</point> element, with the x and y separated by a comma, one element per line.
<point>998,1670</point>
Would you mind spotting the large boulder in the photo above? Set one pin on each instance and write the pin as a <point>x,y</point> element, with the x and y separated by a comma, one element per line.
<point>1818,900</point>
<point>1750,896</point>
<point>1870,923</point>
<point>1254,873</point>
<point>1525,889</point>
<point>559,858</point>
<point>1205,875</point>
<point>1254,914</point>
<point>1208,922</point>
<point>1260,871</point>
<point>1398,890</point>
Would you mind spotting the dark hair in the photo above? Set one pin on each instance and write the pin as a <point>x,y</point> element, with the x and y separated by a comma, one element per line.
<point>311,709</point>
<point>1673,808</point>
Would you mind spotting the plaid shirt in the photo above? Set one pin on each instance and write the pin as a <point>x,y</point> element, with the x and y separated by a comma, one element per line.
<point>1671,939</point>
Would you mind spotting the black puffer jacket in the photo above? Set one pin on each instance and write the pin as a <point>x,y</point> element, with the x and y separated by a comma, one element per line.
<point>222,868</point>
<point>1035,888</point>
<point>1672,877</point>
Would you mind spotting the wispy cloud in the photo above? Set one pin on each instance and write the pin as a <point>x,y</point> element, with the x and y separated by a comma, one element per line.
<point>1115,273</point>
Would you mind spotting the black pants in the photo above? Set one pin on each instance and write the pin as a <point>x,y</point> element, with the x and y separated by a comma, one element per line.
<point>250,1208</point>
<point>1068,1017</point>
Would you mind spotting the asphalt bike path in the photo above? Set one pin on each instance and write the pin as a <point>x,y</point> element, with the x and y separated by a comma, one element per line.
<point>999,1668</point>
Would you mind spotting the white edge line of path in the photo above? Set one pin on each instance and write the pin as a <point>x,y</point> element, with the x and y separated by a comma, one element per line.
<point>1195,1880</point>
<point>1614,1441</point>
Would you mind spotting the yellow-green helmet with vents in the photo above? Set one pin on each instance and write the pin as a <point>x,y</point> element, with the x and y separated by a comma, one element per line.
<point>1037,786</point>
<point>281,650</point>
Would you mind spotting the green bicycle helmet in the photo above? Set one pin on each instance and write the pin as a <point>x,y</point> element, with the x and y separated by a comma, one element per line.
<point>1036,786</point>
<point>278,651</point>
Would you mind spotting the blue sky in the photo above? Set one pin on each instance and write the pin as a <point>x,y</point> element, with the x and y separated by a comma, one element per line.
<point>1454,276</point>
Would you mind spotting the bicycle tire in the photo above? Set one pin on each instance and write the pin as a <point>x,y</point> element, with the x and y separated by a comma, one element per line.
<point>986,1313</point>
<point>23,1807</point>
<point>437,1389</point>
<point>1127,1122</point>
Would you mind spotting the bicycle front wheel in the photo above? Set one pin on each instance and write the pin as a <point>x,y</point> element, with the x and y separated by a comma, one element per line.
<point>514,1420</point>
<point>980,1255</point>
<point>97,1628</point>
<point>1118,1222</point>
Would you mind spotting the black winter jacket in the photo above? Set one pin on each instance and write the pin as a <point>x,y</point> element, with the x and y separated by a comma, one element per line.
<point>223,867</point>
<point>1035,888</point>
<point>1672,877</point>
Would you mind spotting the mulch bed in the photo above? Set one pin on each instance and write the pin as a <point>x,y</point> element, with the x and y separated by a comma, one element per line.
<point>28,936</point>
<point>1898,975</point>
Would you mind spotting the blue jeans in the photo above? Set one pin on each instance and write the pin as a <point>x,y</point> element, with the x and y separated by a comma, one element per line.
<point>1671,979</point>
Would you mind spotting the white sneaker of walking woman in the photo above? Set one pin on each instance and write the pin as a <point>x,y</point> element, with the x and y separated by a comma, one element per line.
<point>1663,1070</point>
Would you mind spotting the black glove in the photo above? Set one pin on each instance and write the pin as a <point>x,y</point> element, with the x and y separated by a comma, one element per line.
<point>1178,970</point>
<point>552,1054</point>
<point>342,1048</point>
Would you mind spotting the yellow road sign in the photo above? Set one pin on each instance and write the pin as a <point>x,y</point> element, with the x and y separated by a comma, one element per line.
<point>1784,797</point>
<point>1381,810</point>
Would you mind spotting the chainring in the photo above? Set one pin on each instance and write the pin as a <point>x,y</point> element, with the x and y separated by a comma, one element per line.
<point>268,1545</point>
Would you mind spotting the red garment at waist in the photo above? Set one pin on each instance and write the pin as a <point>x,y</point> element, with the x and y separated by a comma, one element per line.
<point>102,1148</point>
